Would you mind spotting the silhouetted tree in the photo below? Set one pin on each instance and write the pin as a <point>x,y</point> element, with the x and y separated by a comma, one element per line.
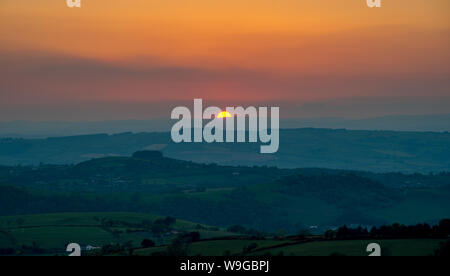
<point>178,248</point>
<point>147,243</point>
<point>444,250</point>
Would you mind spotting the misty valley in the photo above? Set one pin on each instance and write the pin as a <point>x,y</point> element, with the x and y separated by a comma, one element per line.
<point>138,193</point>
<point>282,199</point>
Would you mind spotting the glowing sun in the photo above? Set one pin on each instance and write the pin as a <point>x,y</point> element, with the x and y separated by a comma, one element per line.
<point>224,114</point>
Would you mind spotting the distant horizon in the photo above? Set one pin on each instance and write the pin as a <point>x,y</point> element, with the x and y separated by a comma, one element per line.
<point>44,129</point>
<point>351,108</point>
<point>285,118</point>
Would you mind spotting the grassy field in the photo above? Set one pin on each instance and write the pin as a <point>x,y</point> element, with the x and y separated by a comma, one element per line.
<point>418,247</point>
<point>213,248</point>
<point>89,219</point>
<point>421,247</point>
<point>55,231</point>
<point>52,232</point>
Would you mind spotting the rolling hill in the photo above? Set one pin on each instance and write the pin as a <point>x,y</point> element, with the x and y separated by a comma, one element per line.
<point>50,233</point>
<point>376,151</point>
<point>264,198</point>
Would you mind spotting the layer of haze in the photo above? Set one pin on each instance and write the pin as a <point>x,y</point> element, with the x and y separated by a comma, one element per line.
<point>137,59</point>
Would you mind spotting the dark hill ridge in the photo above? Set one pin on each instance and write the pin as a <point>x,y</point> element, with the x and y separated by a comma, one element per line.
<point>376,151</point>
<point>148,155</point>
<point>144,171</point>
<point>42,129</point>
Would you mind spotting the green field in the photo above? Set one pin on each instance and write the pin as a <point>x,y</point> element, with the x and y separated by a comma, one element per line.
<point>213,248</point>
<point>413,247</point>
<point>55,231</point>
<point>50,233</point>
<point>420,247</point>
<point>84,219</point>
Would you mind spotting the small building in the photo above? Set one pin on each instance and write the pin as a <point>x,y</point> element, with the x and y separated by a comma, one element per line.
<point>90,248</point>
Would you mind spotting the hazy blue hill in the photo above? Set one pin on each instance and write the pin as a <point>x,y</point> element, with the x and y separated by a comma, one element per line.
<point>436,123</point>
<point>264,198</point>
<point>378,151</point>
<point>31,129</point>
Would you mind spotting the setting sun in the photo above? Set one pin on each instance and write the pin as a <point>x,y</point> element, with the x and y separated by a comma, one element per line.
<point>224,114</point>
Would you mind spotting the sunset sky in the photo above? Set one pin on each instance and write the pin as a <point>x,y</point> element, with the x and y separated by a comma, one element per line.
<point>135,59</point>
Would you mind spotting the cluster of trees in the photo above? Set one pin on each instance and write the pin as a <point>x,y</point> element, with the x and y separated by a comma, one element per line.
<point>7,251</point>
<point>157,227</point>
<point>116,249</point>
<point>442,230</point>
<point>146,243</point>
<point>180,246</point>
<point>238,229</point>
<point>162,226</point>
<point>34,248</point>
<point>249,248</point>
<point>190,237</point>
<point>443,250</point>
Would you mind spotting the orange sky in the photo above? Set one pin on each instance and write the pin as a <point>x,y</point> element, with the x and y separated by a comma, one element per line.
<point>251,50</point>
